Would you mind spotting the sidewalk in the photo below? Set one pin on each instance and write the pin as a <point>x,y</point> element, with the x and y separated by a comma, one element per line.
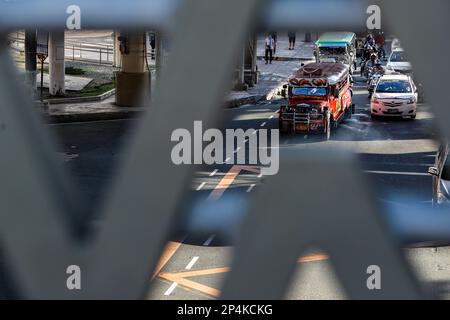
<point>302,51</point>
<point>271,78</point>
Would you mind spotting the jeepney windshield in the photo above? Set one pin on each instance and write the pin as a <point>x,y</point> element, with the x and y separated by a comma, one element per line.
<point>332,51</point>
<point>309,91</point>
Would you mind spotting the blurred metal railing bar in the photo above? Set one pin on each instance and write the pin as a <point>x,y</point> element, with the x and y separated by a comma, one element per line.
<point>140,212</point>
<point>313,208</point>
<point>38,206</point>
<point>410,224</point>
<point>142,206</point>
<point>99,14</point>
<point>159,14</point>
<point>329,15</point>
<point>423,31</point>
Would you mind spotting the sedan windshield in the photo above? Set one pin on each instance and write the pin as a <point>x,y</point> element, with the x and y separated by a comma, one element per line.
<point>394,86</point>
<point>398,57</point>
<point>309,91</point>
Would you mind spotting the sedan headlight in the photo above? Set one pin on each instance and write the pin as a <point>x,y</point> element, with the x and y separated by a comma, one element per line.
<point>412,100</point>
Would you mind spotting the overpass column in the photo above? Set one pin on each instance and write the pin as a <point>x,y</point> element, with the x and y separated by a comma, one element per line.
<point>251,66</point>
<point>56,62</point>
<point>117,61</point>
<point>132,82</point>
<point>30,59</point>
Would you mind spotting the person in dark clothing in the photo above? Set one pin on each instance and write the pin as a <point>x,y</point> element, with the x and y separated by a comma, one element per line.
<point>274,37</point>
<point>291,36</point>
<point>269,44</point>
<point>380,42</point>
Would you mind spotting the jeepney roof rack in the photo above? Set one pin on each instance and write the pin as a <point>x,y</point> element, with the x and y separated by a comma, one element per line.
<point>333,71</point>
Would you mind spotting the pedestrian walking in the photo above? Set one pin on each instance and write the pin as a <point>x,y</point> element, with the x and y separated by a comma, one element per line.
<point>291,36</point>
<point>269,45</point>
<point>274,37</point>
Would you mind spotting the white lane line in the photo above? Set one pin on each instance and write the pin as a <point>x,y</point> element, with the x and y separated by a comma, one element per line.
<point>398,173</point>
<point>191,264</point>
<point>237,150</point>
<point>263,124</point>
<point>251,188</point>
<point>171,288</point>
<point>209,240</point>
<point>271,117</point>
<point>212,174</point>
<point>200,187</point>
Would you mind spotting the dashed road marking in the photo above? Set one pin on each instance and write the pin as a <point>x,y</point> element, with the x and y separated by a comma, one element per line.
<point>200,187</point>
<point>263,124</point>
<point>251,188</point>
<point>209,240</point>
<point>191,263</point>
<point>171,288</point>
<point>212,174</point>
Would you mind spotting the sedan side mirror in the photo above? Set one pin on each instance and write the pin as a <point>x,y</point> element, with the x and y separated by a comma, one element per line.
<point>434,171</point>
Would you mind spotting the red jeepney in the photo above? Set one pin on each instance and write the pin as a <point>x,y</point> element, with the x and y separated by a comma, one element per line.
<point>319,97</point>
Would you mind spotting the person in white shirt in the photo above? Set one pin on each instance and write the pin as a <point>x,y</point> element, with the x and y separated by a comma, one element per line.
<point>269,44</point>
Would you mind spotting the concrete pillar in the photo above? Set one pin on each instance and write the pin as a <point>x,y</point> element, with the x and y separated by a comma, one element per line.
<point>133,82</point>
<point>30,60</point>
<point>117,62</point>
<point>251,66</point>
<point>160,54</point>
<point>56,63</point>
<point>241,73</point>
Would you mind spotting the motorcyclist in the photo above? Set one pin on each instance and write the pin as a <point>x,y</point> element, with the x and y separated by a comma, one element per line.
<point>369,64</point>
<point>375,73</point>
<point>370,40</point>
<point>378,68</point>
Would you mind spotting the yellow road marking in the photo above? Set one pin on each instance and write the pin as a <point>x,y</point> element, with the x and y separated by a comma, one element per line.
<point>228,179</point>
<point>169,251</point>
<point>180,277</point>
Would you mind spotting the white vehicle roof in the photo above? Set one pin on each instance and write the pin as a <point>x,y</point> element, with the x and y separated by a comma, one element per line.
<point>395,77</point>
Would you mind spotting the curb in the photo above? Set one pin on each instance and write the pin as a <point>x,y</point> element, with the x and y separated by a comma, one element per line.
<point>236,103</point>
<point>94,116</point>
<point>129,114</point>
<point>288,58</point>
<point>101,97</point>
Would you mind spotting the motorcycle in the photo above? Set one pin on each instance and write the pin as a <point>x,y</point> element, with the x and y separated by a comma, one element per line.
<point>372,81</point>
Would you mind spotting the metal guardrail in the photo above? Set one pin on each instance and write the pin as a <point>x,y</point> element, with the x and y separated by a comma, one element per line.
<point>85,52</point>
<point>38,211</point>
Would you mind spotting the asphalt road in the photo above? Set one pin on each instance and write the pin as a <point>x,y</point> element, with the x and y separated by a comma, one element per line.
<point>395,154</point>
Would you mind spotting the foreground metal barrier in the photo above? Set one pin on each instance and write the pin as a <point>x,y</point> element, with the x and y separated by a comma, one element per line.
<point>38,211</point>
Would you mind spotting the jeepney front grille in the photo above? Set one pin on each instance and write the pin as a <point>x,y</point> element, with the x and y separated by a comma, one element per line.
<point>301,117</point>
